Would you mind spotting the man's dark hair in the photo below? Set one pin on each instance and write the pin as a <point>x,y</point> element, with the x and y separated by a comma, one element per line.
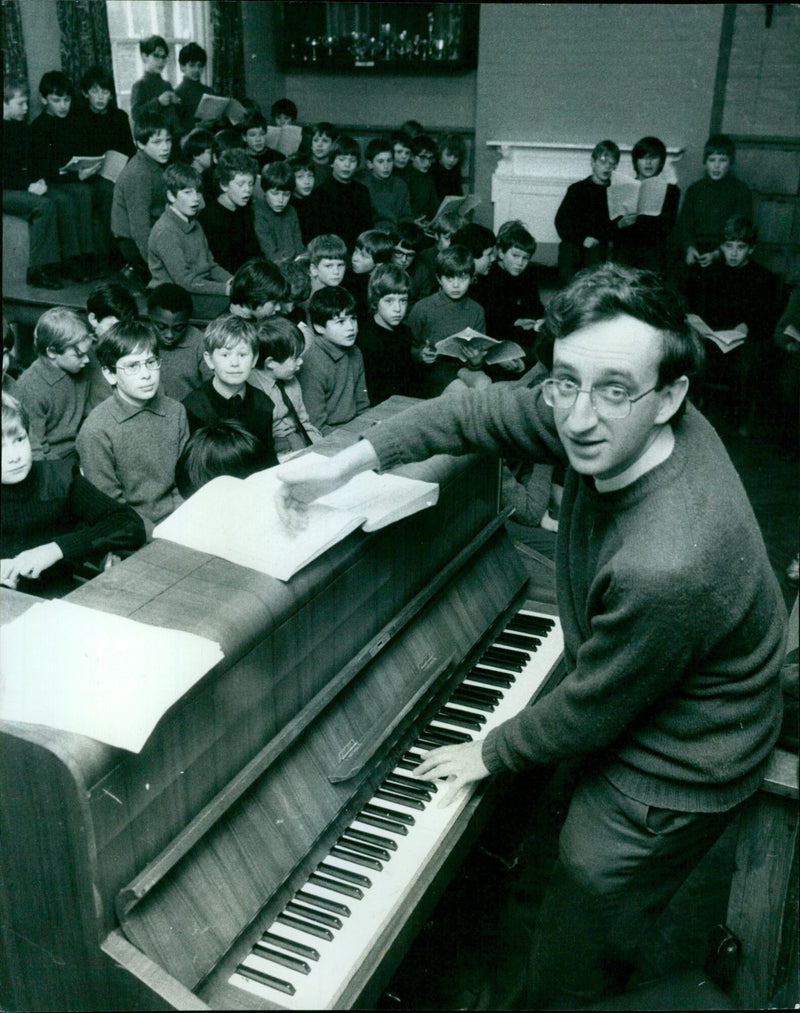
<point>611,290</point>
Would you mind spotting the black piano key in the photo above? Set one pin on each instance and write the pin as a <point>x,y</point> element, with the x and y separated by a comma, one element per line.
<point>266,979</point>
<point>370,850</point>
<point>355,858</point>
<point>290,944</point>
<point>517,659</point>
<point>389,814</point>
<point>393,783</point>
<point>447,736</point>
<point>377,839</point>
<point>399,799</point>
<point>267,953</point>
<point>349,877</point>
<point>462,718</point>
<point>526,641</point>
<point>491,678</point>
<point>303,926</point>
<point>505,666</point>
<point>412,782</point>
<point>407,764</point>
<point>324,902</point>
<point>337,886</point>
<point>321,917</point>
<point>383,824</point>
<point>475,702</point>
<point>486,694</point>
<point>530,624</point>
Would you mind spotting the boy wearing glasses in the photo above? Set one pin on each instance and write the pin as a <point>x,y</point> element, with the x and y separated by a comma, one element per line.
<point>129,445</point>
<point>673,643</point>
<point>582,220</point>
<point>421,184</point>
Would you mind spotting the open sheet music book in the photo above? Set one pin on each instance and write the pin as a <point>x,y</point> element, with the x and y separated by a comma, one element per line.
<point>285,139</point>
<point>463,205</point>
<point>109,165</point>
<point>237,519</point>
<point>212,107</point>
<point>496,351</point>
<point>726,341</point>
<point>627,196</point>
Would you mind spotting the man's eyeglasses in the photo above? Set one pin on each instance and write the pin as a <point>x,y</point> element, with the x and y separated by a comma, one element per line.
<point>609,400</point>
<point>134,368</point>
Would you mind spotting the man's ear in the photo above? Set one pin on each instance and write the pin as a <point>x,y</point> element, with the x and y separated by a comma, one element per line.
<point>672,397</point>
<point>110,375</point>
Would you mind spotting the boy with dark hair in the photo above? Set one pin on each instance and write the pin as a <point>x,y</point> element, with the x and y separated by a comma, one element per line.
<point>53,230</point>
<point>257,290</point>
<point>197,150</point>
<point>482,244</point>
<point>343,205</point>
<point>276,223</point>
<point>409,241</point>
<point>384,339</point>
<point>107,303</point>
<point>280,357</point>
<point>322,137</point>
<point>641,240</point>
<point>230,351</point>
<point>220,447</point>
<point>254,134</point>
<point>582,220</point>
<point>302,166</point>
<point>298,279</point>
<point>371,248</point>
<point>326,264</point>
<point>388,193</point>
<point>192,60</point>
<point>180,345</point>
<point>446,170</point>
<point>178,250</point>
<point>53,519</point>
<point>129,445</point>
<point>229,221</point>
<point>443,229</point>
<point>151,93</point>
<point>438,316</point>
<point>332,377</point>
<point>53,144</point>
<point>511,289</point>
<point>401,150</point>
<point>140,195</point>
<point>421,185</point>
<point>283,112</point>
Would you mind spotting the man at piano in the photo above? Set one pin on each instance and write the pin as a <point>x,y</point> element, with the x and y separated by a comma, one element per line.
<point>673,622</point>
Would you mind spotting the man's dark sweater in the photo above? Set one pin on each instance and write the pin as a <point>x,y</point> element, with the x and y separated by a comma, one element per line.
<point>252,408</point>
<point>231,234</point>
<point>673,621</point>
<point>97,133</point>
<point>388,365</point>
<point>584,212</point>
<point>343,209</point>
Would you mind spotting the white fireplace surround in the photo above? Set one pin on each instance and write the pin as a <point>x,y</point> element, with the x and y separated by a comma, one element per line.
<point>531,178</point>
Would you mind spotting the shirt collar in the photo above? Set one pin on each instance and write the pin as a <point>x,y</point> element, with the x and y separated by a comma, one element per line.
<point>122,411</point>
<point>658,452</point>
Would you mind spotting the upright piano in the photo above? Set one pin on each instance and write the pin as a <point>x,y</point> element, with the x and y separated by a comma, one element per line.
<point>266,849</point>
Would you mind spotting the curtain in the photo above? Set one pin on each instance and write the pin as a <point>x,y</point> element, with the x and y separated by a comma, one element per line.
<point>228,47</point>
<point>84,37</point>
<point>15,65</point>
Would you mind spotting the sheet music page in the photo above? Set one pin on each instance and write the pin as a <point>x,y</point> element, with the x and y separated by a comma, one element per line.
<point>382,499</point>
<point>651,196</point>
<point>285,139</point>
<point>84,671</point>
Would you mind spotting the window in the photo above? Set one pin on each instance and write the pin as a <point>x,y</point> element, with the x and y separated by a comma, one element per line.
<point>177,21</point>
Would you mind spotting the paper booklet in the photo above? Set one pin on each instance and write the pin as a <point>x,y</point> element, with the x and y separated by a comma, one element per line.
<point>109,165</point>
<point>726,341</point>
<point>627,196</point>
<point>91,673</point>
<point>496,351</point>
<point>792,332</point>
<point>237,519</point>
<point>285,139</point>
<point>212,107</point>
<point>463,205</point>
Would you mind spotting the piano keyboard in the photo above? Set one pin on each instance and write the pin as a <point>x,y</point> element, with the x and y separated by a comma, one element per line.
<point>305,958</point>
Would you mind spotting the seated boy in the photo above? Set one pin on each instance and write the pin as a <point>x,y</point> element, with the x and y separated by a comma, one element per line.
<point>372,247</point>
<point>327,257</point>
<point>129,445</point>
<point>178,250</point>
<point>384,339</point>
<point>254,134</point>
<point>511,289</point>
<point>437,317</point>
<point>482,244</point>
<point>140,195</point>
<point>27,197</point>
<point>180,345</point>
<point>388,193</point>
<point>151,93</point>
<point>230,350</point>
<point>276,223</point>
<point>409,241</point>
<point>446,170</point>
<point>582,220</point>
<point>197,150</point>
<point>298,279</point>
<point>401,150</point>
<point>421,186</point>
<point>442,229</point>
<point>54,141</point>
<point>322,137</point>
<point>11,370</point>
<point>57,389</point>
<point>107,303</point>
<point>342,204</point>
<point>228,222</point>
<point>257,290</point>
<point>221,447</point>
<point>192,60</point>
<point>307,217</point>
<point>283,112</point>
<point>53,518</point>
<point>332,377</point>
<point>641,240</point>
<point>281,349</point>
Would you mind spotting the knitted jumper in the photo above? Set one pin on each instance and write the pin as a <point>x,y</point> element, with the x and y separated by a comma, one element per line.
<point>673,621</point>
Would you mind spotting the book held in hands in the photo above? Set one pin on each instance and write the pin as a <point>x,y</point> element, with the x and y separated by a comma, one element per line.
<point>725,341</point>
<point>495,351</point>
<point>627,196</point>
<point>212,107</point>
<point>461,205</point>
<point>285,139</point>
<point>109,165</point>
<point>237,519</point>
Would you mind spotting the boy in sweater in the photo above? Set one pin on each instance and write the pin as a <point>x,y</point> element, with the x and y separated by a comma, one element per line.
<point>129,445</point>
<point>276,222</point>
<point>151,93</point>
<point>673,644</point>
<point>387,192</point>
<point>342,204</point>
<point>192,60</point>
<point>178,250</point>
<point>384,339</point>
<point>180,344</point>
<point>228,221</point>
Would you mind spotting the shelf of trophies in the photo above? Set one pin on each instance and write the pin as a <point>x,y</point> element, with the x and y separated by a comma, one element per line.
<point>380,38</point>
